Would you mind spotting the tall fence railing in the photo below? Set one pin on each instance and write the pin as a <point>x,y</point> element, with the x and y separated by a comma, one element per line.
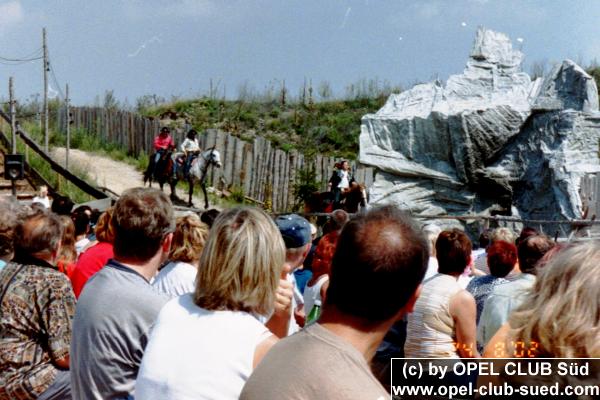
<point>263,172</point>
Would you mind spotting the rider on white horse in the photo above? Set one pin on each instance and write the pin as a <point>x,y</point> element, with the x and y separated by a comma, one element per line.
<point>190,149</point>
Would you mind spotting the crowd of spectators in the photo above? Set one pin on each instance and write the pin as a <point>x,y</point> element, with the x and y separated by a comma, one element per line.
<point>136,302</point>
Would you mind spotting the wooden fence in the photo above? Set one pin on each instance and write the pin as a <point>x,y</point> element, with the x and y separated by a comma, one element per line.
<point>259,169</point>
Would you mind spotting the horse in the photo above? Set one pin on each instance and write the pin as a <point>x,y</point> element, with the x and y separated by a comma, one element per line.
<point>159,170</point>
<point>198,172</point>
<point>352,200</point>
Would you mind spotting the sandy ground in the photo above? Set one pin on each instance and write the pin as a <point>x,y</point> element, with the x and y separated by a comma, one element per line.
<point>114,175</point>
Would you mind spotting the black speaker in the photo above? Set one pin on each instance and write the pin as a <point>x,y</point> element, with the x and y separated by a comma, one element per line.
<point>14,167</point>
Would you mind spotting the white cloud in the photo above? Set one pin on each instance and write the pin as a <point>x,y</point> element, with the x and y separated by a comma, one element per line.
<point>153,39</point>
<point>348,10</point>
<point>11,13</point>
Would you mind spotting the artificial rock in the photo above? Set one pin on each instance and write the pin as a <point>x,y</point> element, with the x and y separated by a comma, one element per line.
<point>489,140</point>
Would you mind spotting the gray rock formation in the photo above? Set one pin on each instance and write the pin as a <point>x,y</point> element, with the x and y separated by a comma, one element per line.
<point>488,140</point>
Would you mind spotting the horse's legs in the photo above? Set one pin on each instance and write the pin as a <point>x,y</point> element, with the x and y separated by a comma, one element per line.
<point>190,192</point>
<point>203,186</point>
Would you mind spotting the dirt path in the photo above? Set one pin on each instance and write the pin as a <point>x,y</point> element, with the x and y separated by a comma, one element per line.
<point>114,175</point>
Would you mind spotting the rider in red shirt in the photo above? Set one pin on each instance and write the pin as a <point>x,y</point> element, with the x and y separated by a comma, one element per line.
<point>163,141</point>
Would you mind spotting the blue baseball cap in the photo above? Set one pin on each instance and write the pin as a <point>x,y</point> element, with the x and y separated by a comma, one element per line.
<point>294,229</point>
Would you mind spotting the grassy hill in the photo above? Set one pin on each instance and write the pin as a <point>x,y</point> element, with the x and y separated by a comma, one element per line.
<point>325,127</point>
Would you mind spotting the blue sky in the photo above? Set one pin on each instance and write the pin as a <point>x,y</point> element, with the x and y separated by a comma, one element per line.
<point>137,47</point>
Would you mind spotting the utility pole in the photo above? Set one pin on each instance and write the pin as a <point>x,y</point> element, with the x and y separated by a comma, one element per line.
<point>46,69</point>
<point>13,128</point>
<point>13,118</point>
<point>68,119</point>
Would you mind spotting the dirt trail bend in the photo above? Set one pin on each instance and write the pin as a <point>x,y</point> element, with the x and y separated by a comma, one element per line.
<point>114,175</point>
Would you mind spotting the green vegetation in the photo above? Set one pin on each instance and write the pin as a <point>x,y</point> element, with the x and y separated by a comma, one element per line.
<point>63,186</point>
<point>327,126</point>
<point>304,186</point>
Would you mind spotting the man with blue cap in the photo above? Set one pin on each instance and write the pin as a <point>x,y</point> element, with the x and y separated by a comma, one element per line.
<point>296,233</point>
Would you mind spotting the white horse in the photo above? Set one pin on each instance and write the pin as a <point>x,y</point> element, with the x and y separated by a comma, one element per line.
<point>198,173</point>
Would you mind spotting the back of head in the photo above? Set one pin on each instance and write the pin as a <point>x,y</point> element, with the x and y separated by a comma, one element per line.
<point>531,250</point>
<point>379,262</point>
<point>501,258</point>
<point>62,205</point>
<point>209,216</point>
<point>339,218</point>
<point>38,235</point>
<point>504,234</point>
<point>142,218</point>
<point>81,220</point>
<point>484,238</point>
<point>68,253</point>
<point>453,251</point>
<point>241,263</point>
<point>525,233</point>
<point>189,239</point>
<point>105,231</point>
<point>561,311</point>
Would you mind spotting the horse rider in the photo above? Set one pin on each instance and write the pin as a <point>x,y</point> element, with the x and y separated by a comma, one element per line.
<point>339,182</point>
<point>190,149</point>
<point>162,143</point>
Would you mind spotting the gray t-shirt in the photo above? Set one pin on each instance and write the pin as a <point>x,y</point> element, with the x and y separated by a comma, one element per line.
<point>313,364</point>
<point>112,322</point>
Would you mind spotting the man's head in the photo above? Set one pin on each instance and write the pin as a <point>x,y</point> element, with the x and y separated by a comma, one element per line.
<point>164,132</point>
<point>43,191</point>
<point>337,220</point>
<point>501,258</point>
<point>453,251</point>
<point>143,220</point>
<point>39,236</point>
<point>379,263</point>
<point>531,250</point>
<point>296,233</point>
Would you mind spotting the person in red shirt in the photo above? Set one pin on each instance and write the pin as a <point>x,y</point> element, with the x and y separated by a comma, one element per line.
<point>162,143</point>
<point>96,255</point>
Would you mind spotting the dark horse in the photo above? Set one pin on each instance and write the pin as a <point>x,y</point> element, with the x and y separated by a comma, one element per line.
<point>353,200</point>
<point>163,173</point>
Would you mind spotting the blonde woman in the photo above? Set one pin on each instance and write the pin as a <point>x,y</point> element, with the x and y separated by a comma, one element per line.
<point>179,276</point>
<point>67,255</point>
<point>206,344</point>
<point>559,317</point>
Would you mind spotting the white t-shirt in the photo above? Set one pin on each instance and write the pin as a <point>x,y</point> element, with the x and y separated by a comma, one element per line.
<point>344,182</point>
<point>42,200</point>
<point>81,244</point>
<point>176,278</point>
<point>313,293</point>
<point>190,145</point>
<point>194,353</point>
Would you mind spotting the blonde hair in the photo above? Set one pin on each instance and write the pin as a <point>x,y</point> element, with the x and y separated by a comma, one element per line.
<point>504,234</point>
<point>560,314</point>
<point>67,252</point>
<point>241,263</point>
<point>189,239</point>
<point>105,231</point>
